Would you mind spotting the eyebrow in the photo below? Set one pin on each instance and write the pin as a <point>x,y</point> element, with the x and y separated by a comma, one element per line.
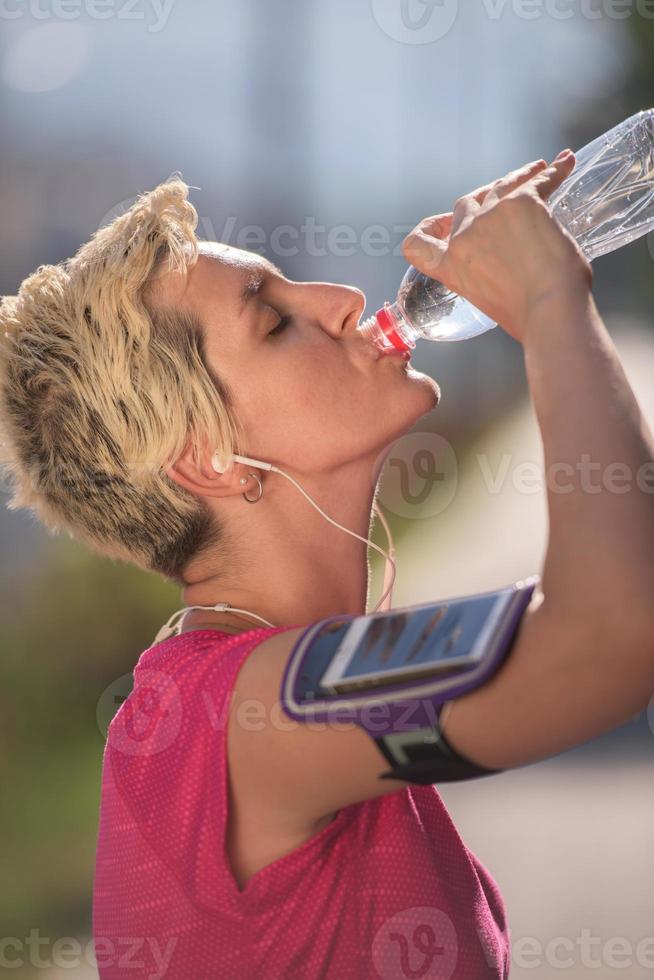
<point>256,277</point>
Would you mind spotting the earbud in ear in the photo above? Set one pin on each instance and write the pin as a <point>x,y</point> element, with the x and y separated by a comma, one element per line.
<point>219,462</point>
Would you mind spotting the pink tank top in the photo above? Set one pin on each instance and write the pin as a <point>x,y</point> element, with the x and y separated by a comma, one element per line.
<point>387,890</point>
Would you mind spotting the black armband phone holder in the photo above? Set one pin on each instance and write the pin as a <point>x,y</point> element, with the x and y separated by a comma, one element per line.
<point>332,675</point>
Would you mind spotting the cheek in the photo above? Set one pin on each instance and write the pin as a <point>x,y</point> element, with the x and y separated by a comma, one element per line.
<point>286,412</point>
<point>314,412</point>
<point>318,416</point>
<point>315,386</point>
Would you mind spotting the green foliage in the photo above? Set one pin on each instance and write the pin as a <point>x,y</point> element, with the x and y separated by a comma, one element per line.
<point>73,624</point>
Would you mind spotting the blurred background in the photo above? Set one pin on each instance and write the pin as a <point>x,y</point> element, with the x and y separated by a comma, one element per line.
<point>318,134</point>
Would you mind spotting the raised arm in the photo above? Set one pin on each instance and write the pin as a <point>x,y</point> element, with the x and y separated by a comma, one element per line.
<point>599,466</point>
<point>583,659</point>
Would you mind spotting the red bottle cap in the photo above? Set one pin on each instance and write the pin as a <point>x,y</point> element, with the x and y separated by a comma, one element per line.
<point>387,324</point>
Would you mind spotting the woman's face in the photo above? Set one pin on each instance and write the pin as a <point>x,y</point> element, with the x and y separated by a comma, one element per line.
<point>310,391</point>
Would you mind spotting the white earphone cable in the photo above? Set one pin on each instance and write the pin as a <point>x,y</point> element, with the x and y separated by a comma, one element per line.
<point>388,557</point>
<point>389,567</point>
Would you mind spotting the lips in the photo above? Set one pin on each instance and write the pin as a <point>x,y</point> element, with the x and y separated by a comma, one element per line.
<point>404,355</point>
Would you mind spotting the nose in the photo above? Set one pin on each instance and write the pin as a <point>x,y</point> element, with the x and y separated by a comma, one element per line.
<point>340,308</point>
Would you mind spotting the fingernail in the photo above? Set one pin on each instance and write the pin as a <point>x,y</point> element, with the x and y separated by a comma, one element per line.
<point>563,153</point>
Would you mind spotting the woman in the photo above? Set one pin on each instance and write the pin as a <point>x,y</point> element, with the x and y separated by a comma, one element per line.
<point>234,842</point>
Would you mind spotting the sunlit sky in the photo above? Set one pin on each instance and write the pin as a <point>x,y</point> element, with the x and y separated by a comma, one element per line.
<point>287,112</point>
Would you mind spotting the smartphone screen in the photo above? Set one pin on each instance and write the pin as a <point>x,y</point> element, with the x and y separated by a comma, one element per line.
<point>408,643</point>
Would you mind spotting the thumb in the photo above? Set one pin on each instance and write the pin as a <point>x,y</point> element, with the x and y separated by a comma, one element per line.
<point>424,251</point>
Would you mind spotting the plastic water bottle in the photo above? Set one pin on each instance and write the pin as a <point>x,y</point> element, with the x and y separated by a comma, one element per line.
<point>607,201</point>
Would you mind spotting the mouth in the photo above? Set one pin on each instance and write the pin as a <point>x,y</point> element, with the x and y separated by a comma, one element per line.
<point>402,355</point>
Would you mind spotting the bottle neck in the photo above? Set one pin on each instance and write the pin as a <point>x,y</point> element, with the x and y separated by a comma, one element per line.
<point>388,329</point>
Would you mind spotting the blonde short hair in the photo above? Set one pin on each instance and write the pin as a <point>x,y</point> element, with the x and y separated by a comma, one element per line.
<point>98,393</point>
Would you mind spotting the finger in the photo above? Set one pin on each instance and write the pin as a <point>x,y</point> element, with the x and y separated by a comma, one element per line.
<point>423,250</point>
<point>426,246</point>
<point>464,210</point>
<point>441,225</point>
<point>437,225</point>
<point>422,247</point>
<point>551,178</point>
<point>422,243</point>
<point>517,178</point>
<point>514,178</point>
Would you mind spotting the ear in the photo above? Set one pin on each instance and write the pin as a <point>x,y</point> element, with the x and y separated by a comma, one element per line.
<point>203,480</point>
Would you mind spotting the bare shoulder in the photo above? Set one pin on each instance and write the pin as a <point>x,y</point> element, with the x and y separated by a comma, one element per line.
<point>288,779</point>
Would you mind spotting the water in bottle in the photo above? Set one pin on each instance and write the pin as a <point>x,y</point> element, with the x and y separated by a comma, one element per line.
<point>606,202</point>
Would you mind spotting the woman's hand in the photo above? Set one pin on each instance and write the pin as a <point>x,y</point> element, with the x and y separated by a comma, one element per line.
<point>502,249</point>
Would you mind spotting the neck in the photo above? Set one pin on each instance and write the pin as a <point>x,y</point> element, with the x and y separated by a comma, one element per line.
<point>293,567</point>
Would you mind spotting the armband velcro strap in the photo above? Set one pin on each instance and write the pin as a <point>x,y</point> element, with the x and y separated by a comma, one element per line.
<point>426,757</point>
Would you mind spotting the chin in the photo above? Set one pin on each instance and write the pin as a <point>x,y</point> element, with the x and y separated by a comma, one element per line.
<point>425,386</point>
<point>424,395</point>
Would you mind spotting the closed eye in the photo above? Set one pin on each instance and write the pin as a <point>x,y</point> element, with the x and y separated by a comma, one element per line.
<point>281,326</point>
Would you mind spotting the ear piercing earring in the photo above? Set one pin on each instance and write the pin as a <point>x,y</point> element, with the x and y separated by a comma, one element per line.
<point>252,500</point>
